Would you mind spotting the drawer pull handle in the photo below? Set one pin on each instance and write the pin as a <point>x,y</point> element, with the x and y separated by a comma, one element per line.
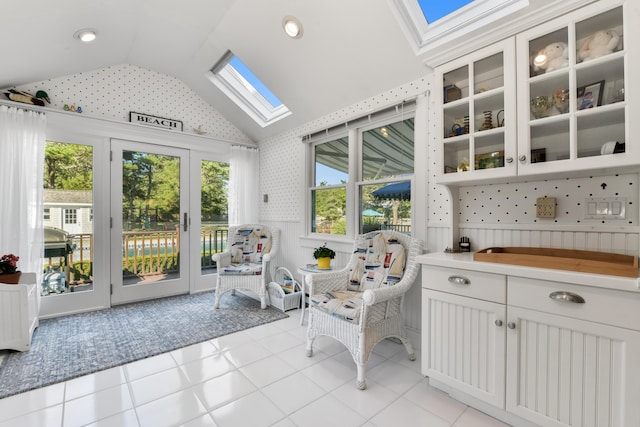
<point>498,322</point>
<point>566,297</point>
<point>459,280</point>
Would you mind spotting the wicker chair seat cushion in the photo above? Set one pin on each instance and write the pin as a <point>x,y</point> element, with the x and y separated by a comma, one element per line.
<point>249,244</point>
<point>344,304</point>
<point>244,269</point>
<point>381,262</point>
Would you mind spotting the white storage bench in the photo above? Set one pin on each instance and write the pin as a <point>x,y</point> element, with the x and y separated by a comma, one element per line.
<point>284,291</point>
<point>18,313</point>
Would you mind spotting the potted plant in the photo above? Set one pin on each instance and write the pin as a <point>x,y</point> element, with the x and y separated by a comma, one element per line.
<point>9,269</point>
<point>324,255</point>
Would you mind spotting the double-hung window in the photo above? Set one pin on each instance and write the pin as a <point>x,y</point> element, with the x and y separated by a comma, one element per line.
<point>362,174</point>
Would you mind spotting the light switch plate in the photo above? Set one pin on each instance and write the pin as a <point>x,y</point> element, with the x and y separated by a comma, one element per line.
<point>546,207</point>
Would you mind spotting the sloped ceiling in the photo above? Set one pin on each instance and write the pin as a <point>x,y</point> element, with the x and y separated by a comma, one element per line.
<point>351,49</point>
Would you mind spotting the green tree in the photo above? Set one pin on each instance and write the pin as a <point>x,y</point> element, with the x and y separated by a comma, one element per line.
<point>215,189</point>
<point>68,166</point>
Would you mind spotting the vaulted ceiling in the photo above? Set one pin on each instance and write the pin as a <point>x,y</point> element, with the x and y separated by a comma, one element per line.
<point>351,49</point>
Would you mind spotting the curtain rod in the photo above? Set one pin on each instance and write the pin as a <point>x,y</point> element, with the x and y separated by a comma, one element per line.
<point>408,104</point>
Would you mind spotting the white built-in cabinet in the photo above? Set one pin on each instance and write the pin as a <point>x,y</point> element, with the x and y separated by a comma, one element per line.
<point>570,111</point>
<point>539,352</point>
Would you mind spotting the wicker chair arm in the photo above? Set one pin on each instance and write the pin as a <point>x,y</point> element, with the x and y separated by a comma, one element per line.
<point>376,296</point>
<point>320,283</point>
<point>222,258</point>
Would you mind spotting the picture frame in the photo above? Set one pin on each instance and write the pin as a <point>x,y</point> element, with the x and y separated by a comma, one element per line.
<point>494,159</point>
<point>538,155</point>
<point>590,95</point>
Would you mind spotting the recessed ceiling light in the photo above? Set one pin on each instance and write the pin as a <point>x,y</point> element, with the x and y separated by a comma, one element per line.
<point>86,35</point>
<point>292,27</point>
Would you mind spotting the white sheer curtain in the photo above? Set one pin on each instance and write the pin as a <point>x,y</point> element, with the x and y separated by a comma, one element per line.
<point>22,138</point>
<point>243,185</point>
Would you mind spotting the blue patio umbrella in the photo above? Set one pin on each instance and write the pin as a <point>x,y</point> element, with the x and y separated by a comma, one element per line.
<point>395,191</point>
<point>371,212</point>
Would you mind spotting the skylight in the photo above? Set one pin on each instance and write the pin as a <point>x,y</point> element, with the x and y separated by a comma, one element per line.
<point>436,9</point>
<point>433,26</point>
<point>244,88</point>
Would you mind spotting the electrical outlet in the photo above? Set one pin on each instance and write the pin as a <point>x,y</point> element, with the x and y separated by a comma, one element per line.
<point>546,207</point>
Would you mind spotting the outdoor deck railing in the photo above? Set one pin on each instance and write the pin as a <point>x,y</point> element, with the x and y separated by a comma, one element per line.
<point>143,252</point>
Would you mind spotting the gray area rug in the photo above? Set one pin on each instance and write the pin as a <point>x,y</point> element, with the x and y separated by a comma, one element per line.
<point>67,347</point>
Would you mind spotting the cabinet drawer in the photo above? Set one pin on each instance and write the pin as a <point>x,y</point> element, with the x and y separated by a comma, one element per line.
<point>473,284</point>
<point>606,306</point>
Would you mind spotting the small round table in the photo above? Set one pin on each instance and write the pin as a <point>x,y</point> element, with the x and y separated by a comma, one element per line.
<point>305,270</point>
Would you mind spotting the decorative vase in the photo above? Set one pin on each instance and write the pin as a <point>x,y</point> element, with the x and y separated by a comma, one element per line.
<point>540,106</point>
<point>324,262</point>
<point>10,278</point>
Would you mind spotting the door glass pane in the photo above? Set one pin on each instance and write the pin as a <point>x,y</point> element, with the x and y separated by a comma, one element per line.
<point>214,187</point>
<point>68,218</point>
<point>150,217</point>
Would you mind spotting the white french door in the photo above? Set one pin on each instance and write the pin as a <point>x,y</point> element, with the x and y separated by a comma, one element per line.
<point>149,221</point>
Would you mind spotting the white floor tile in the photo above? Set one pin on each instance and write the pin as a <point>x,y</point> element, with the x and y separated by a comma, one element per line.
<point>327,411</point>
<point>203,421</point>
<point>94,382</point>
<point>158,385</point>
<point>123,419</point>
<point>394,376</point>
<point>49,417</point>
<point>227,342</point>
<point>367,402</point>
<point>266,371</point>
<point>260,376</point>
<point>204,369</point>
<point>94,407</point>
<point>35,400</point>
<point>175,409</point>
<point>194,352</point>
<point>151,365</point>
<point>435,401</point>
<point>247,353</point>
<point>224,389</point>
<point>331,374</point>
<point>474,418</point>
<point>296,357</point>
<point>293,392</point>
<point>252,410</point>
<point>402,412</point>
<point>280,342</point>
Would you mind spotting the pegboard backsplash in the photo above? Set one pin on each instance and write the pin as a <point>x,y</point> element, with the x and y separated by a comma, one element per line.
<point>114,91</point>
<point>515,203</point>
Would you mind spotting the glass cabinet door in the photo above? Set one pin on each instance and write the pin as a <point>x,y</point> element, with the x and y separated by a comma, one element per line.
<point>571,100</point>
<point>478,115</point>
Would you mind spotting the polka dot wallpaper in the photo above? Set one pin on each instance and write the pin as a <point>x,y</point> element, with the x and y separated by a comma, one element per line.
<point>114,91</point>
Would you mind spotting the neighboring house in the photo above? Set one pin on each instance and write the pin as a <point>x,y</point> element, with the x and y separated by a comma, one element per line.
<point>69,210</point>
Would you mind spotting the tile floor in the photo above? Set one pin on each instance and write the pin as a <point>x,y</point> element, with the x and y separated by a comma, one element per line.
<point>257,377</point>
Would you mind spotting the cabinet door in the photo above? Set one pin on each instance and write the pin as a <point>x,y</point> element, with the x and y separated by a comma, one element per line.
<point>573,99</point>
<point>477,115</point>
<point>569,372</point>
<point>462,344</point>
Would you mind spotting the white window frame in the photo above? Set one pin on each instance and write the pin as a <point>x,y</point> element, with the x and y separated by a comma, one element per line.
<point>354,179</point>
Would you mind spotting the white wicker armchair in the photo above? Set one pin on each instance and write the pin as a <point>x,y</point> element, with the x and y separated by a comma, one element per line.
<point>245,263</point>
<point>361,308</point>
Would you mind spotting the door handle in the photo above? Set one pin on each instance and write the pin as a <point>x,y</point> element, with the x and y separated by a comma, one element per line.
<point>459,280</point>
<point>566,297</point>
<point>186,218</point>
